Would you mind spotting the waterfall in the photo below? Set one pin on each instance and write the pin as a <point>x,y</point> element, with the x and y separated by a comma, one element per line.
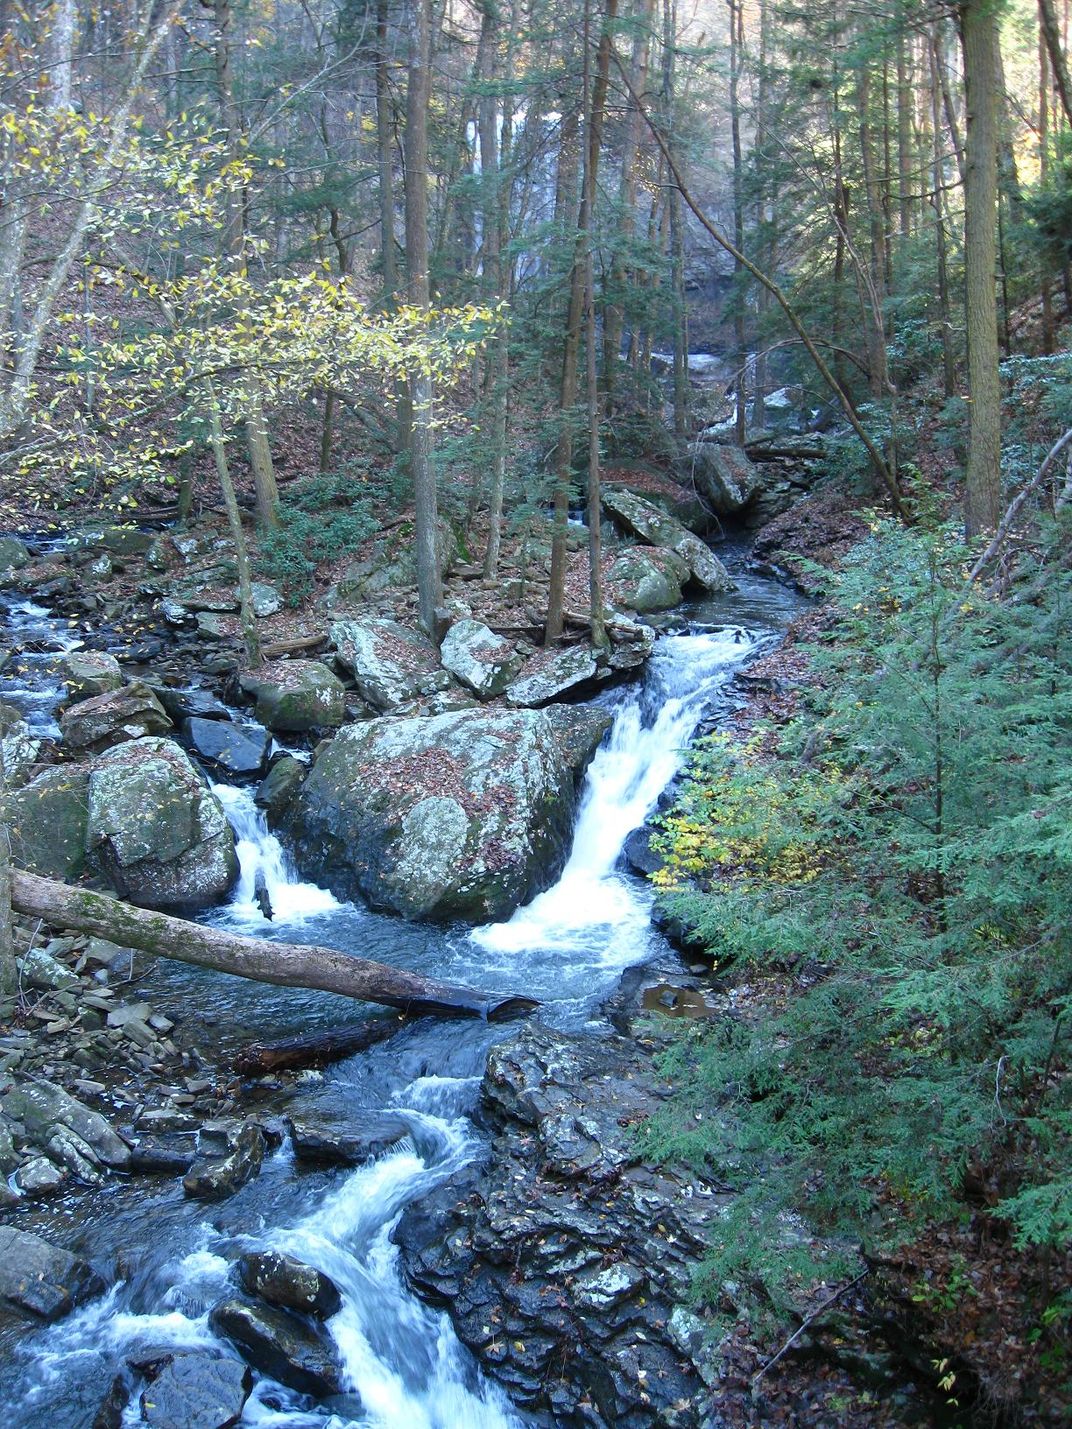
<point>263,862</point>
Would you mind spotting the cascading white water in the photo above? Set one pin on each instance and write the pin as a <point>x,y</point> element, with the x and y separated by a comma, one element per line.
<point>591,911</point>
<point>32,680</point>
<point>261,857</point>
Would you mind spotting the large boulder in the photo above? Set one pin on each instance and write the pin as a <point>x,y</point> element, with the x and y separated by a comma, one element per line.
<point>297,1352</point>
<point>479,658</point>
<point>47,819</point>
<point>648,578</point>
<point>462,815</point>
<point>391,665</point>
<point>579,730</point>
<point>654,526</point>
<point>41,1278</point>
<point>19,746</point>
<point>160,833</point>
<point>236,749</point>
<point>724,476</point>
<point>289,1283</point>
<point>42,1108</point>
<point>88,673</point>
<point>14,554</point>
<point>128,713</point>
<point>553,674</point>
<point>296,695</point>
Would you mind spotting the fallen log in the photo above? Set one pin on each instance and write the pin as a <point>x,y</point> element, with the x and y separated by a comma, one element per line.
<point>317,1049</point>
<point>288,964</point>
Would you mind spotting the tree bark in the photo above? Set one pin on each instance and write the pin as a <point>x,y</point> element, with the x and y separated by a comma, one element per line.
<point>285,964</point>
<point>1052,31</point>
<point>979,32</point>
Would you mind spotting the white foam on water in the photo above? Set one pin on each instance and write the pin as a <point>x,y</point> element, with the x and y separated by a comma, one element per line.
<point>261,854</point>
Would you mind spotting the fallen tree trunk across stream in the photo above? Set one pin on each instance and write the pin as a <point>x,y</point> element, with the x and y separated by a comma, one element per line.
<point>289,964</point>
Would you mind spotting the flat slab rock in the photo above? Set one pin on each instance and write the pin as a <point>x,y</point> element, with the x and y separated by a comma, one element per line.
<point>199,1390</point>
<point>296,1351</point>
<point>327,1141</point>
<point>41,1279</point>
<point>565,1262</point>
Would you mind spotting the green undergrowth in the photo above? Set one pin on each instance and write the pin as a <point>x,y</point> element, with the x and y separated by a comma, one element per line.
<point>891,876</point>
<point>320,519</point>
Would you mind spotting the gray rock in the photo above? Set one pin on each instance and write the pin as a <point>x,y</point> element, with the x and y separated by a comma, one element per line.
<point>579,730</point>
<point>159,832</point>
<point>19,747</point>
<point>345,1141</point>
<point>239,750</point>
<point>280,784</point>
<point>192,704</point>
<point>214,1178</point>
<point>123,541</point>
<point>40,969</point>
<point>88,673</point>
<point>651,524</point>
<point>128,713</point>
<point>39,1177</point>
<point>296,695</point>
<point>42,1279</point>
<point>461,815</point>
<point>551,675</point>
<point>482,660</point>
<point>724,476</point>
<point>9,1157</point>
<point>389,663</point>
<point>648,580</point>
<point>213,626</point>
<point>201,1389</point>
<point>14,554</point>
<point>42,1106</point>
<point>298,1353</point>
<point>289,1283</point>
<point>47,821</point>
<point>266,600</point>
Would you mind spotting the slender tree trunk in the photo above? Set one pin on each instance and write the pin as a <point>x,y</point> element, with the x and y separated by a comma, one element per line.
<point>740,341</point>
<point>979,30</point>
<point>904,137</point>
<point>429,575</point>
<point>945,321</point>
<point>1052,32</point>
<point>677,232</point>
<point>61,42</point>
<point>385,139</point>
<point>767,210</point>
<point>494,213</point>
<point>250,638</point>
<point>1048,327</point>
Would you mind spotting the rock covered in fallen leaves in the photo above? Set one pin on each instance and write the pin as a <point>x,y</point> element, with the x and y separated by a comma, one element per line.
<point>646,520</point>
<point>294,696</point>
<point>391,664</point>
<point>482,660</point>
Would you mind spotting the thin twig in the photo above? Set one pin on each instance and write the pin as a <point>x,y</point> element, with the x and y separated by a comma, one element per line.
<point>808,1320</point>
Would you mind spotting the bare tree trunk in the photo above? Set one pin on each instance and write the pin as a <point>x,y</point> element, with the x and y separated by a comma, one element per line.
<point>677,232</point>
<point>494,221</point>
<point>285,964</point>
<point>736,10</point>
<point>250,638</point>
<point>426,513</point>
<point>1052,32</point>
<point>979,30</point>
<point>949,373</point>
<point>61,42</point>
<point>1048,328</point>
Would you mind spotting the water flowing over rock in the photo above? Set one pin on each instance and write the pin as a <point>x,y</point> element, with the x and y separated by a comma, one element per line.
<point>47,820</point>
<point>296,695</point>
<point>390,664</point>
<point>129,713</point>
<point>161,836</point>
<point>482,660</point>
<point>724,476</point>
<point>42,1279</point>
<point>289,1283</point>
<point>462,815</point>
<point>646,520</point>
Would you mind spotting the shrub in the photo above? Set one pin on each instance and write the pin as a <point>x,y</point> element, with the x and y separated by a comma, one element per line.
<point>320,519</point>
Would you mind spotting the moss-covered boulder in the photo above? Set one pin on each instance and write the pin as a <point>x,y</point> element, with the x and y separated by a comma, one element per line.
<point>48,818</point>
<point>294,696</point>
<point>644,519</point>
<point>463,815</point>
<point>479,658</point>
<point>724,476</point>
<point>160,834</point>
<point>128,713</point>
<point>647,579</point>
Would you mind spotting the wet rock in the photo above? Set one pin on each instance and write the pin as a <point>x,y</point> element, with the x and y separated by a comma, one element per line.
<point>639,854</point>
<point>19,747</point>
<point>42,1106</point>
<point>237,750</point>
<point>9,1157</point>
<point>39,1177</point>
<point>47,821</point>
<point>289,1283</point>
<point>279,785</point>
<point>651,524</point>
<point>14,554</point>
<point>551,676</point>
<point>89,673</point>
<point>389,663</point>
<point>42,1279</point>
<point>200,1389</point>
<point>608,1244</point>
<point>129,713</point>
<point>158,830</point>
<point>349,1141</point>
<point>162,1155</point>
<point>461,815</point>
<point>648,580</point>
<point>724,476</point>
<point>215,1177</point>
<point>109,1413</point>
<point>297,1352</point>
<point>296,695</point>
<point>192,704</point>
<point>631,644</point>
<point>482,660</point>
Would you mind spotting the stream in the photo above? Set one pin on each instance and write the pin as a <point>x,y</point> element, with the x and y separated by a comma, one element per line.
<point>568,947</point>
